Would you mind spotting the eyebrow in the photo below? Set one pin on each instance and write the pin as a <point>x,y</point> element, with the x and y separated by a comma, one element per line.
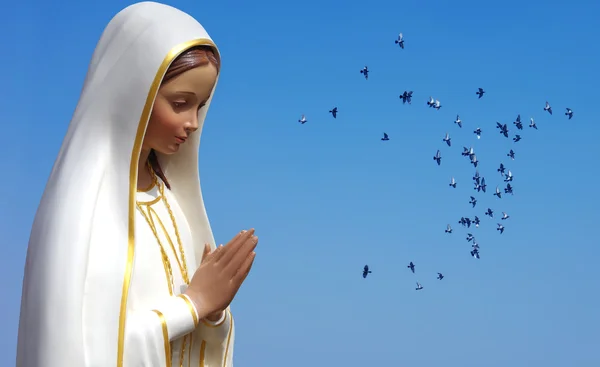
<point>185,92</point>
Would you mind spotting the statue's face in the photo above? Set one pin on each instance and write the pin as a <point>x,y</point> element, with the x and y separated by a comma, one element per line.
<point>175,113</point>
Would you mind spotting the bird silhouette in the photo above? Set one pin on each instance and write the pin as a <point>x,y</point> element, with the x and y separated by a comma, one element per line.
<point>334,112</point>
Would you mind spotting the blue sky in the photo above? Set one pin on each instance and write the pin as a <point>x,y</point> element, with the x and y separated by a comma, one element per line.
<point>328,197</point>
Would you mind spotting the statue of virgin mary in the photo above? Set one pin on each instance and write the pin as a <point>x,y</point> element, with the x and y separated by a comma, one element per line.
<point>95,291</point>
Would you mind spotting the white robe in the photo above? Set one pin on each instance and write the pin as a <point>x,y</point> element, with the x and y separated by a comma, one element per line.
<point>89,297</point>
<point>207,345</point>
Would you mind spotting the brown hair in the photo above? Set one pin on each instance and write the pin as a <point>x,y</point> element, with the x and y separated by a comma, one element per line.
<point>191,58</point>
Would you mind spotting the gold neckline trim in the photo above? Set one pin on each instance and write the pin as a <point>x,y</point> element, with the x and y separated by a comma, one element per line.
<point>151,202</point>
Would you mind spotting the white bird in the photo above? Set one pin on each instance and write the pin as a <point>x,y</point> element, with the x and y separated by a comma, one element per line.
<point>458,121</point>
<point>438,105</point>
<point>505,216</point>
<point>453,182</point>
<point>548,108</point>
<point>431,101</point>
<point>447,139</point>
<point>419,286</point>
<point>400,41</point>
<point>303,119</point>
<point>474,160</point>
<point>532,123</point>
<point>448,229</point>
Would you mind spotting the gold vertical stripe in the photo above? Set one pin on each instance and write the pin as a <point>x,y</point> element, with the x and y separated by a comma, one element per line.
<point>190,350</point>
<point>202,352</point>
<point>165,332</point>
<point>133,170</point>
<point>170,241</point>
<point>182,353</point>
<point>228,339</point>
<point>191,307</point>
<point>164,256</point>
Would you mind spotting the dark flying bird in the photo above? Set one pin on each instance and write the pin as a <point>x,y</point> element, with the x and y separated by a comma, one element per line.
<point>532,123</point>
<point>440,276</point>
<point>508,189</point>
<point>419,286</point>
<point>548,108</point>
<point>501,169</point>
<point>406,97</point>
<point>411,266</point>
<point>334,112</point>
<point>302,119</point>
<point>466,222</point>
<point>509,176</point>
<point>498,193</point>
<point>476,221</point>
<point>385,137</point>
<point>470,237</point>
<point>448,229</point>
<point>475,253</point>
<point>569,113</point>
<point>482,185</point>
<point>517,138</point>
<point>503,129</point>
<point>473,201</point>
<point>447,139</point>
<point>480,92</point>
<point>500,228</point>
<point>365,71</point>
<point>478,133</point>
<point>366,271</point>
<point>518,122</point>
<point>400,41</point>
<point>490,213</point>
<point>452,182</point>
<point>511,154</point>
<point>438,158</point>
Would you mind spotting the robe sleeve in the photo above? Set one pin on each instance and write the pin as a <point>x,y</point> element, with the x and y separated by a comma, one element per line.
<point>216,331</point>
<point>219,337</point>
<point>148,333</point>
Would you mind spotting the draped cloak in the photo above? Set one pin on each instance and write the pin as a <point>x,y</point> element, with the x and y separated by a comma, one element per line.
<point>82,246</point>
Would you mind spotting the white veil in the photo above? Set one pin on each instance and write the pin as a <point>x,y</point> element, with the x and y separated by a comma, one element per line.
<point>82,246</point>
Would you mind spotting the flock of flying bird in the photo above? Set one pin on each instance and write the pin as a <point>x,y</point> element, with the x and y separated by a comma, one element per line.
<point>478,181</point>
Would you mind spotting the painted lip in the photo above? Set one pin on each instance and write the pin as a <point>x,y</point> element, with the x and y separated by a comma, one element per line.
<point>180,139</point>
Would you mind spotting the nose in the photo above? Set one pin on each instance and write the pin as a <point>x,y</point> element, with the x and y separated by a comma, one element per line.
<point>192,124</point>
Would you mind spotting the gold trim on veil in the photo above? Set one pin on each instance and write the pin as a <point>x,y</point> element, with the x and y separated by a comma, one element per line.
<point>133,172</point>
